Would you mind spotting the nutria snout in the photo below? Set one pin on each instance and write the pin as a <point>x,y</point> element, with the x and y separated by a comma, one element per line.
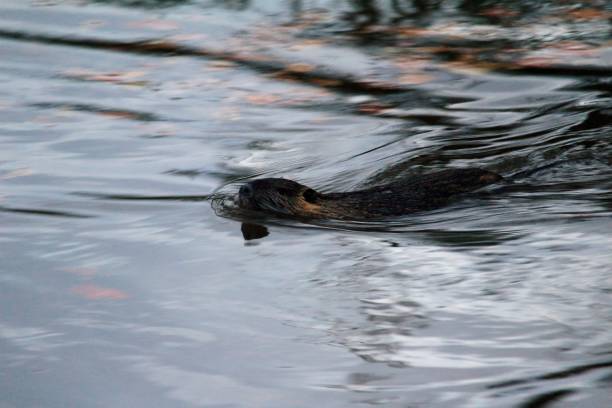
<point>412,194</point>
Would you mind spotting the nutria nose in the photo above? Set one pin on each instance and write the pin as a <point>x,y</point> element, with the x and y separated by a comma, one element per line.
<point>246,191</point>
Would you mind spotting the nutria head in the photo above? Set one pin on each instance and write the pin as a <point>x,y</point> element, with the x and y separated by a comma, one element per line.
<point>279,196</point>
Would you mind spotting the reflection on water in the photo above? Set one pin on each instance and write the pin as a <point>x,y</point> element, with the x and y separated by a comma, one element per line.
<point>121,121</point>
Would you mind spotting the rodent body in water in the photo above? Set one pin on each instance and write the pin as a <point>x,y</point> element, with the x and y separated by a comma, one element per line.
<point>412,194</point>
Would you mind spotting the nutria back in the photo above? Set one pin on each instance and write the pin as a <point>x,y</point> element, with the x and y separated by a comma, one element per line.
<point>405,196</point>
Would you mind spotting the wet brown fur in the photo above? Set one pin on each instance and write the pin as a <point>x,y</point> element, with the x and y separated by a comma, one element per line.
<point>412,194</point>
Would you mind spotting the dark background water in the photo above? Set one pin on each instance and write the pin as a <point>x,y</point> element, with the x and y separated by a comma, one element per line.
<point>121,286</point>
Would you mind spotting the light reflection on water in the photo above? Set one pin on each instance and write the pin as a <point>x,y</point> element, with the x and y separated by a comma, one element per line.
<point>120,285</point>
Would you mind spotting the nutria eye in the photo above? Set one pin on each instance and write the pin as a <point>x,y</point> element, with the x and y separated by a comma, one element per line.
<point>246,191</point>
<point>310,196</point>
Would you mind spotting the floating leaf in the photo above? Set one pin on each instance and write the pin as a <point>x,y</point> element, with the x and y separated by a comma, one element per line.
<point>589,14</point>
<point>116,77</point>
<point>262,99</point>
<point>413,79</point>
<point>310,43</point>
<point>300,67</point>
<point>188,37</point>
<point>23,172</point>
<point>221,64</point>
<point>120,114</point>
<point>414,32</point>
<point>155,24</point>
<point>327,83</point>
<point>81,271</point>
<point>372,108</point>
<point>227,113</point>
<point>92,24</point>
<point>537,62</point>
<point>498,11</point>
<point>94,292</point>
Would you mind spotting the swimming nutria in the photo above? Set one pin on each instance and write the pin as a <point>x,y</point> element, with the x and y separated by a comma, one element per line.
<point>416,193</point>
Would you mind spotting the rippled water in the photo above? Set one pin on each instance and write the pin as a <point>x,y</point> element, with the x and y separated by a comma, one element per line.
<point>122,286</point>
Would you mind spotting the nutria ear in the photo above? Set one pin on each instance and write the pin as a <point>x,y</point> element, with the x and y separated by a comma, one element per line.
<point>310,196</point>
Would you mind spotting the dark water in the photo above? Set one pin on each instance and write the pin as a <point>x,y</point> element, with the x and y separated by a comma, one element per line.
<point>121,286</point>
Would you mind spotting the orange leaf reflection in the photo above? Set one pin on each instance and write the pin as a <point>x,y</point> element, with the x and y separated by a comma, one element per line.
<point>93,292</point>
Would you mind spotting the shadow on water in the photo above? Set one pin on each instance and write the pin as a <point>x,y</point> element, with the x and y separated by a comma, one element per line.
<point>130,197</point>
<point>124,113</point>
<point>337,81</point>
<point>43,212</point>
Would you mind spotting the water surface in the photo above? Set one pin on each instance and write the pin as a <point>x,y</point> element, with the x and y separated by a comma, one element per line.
<point>121,285</point>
